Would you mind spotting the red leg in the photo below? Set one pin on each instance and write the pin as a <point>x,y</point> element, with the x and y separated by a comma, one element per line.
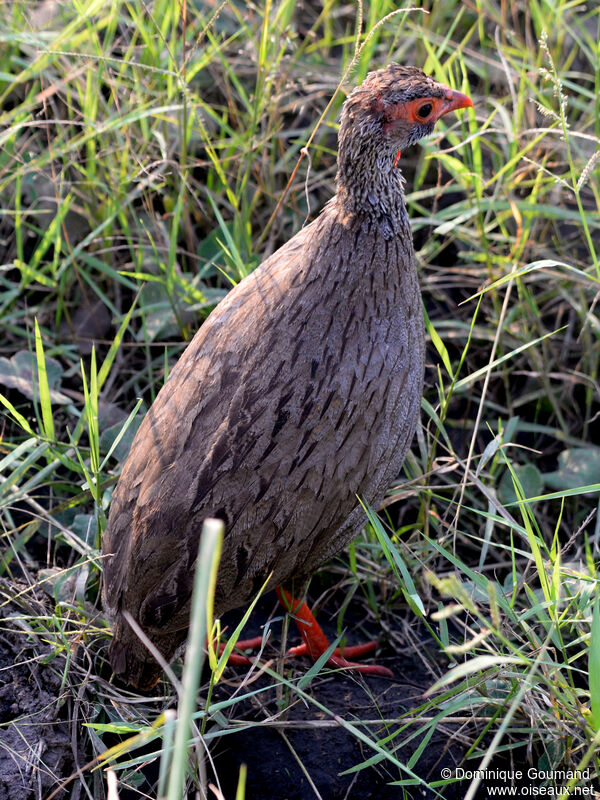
<point>316,643</point>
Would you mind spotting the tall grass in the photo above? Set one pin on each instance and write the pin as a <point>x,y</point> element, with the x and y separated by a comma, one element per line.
<point>150,156</point>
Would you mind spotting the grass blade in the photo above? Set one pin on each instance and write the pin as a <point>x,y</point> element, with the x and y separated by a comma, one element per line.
<point>594,666</point>
<point>43,386</point>
<point>206,573</point>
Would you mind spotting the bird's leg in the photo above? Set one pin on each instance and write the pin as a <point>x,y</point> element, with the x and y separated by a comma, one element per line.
<point>316,643</point>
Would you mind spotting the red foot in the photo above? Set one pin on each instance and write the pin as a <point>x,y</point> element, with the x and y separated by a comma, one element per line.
<point>352,651</point>
<point>237,659</point>
<point>316,643</point>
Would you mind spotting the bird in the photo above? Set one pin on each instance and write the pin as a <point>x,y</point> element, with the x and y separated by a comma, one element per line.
<point>299,393</point>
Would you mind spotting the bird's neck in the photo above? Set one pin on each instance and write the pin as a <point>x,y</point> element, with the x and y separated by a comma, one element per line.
<point>368,182</point>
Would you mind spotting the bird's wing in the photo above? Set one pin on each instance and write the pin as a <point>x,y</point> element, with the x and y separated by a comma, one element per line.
<point>227,435</point>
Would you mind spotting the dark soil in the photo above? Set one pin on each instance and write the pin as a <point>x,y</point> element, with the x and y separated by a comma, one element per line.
<point>35,745</point>
<point>273,754</point>
<point>297,750</point>
<point>302,742</point>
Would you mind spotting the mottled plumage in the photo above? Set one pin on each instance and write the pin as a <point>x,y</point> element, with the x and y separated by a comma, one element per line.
<point>301,390</point>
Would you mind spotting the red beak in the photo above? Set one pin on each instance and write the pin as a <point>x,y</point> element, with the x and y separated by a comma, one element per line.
<point>453,101</point>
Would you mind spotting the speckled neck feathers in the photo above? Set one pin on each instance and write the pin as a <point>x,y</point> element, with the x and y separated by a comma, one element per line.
<point>374,190</point>
<point>368,182</point>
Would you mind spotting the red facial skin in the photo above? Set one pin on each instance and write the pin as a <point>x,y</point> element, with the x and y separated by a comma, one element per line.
<point>426,109</point>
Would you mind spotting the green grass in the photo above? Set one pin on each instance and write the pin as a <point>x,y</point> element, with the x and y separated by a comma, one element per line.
<point>147,163</point>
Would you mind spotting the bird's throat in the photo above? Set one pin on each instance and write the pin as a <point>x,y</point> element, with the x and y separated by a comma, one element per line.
<point>370,182</point>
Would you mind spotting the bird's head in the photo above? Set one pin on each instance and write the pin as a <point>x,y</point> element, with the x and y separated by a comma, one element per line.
<point>392,109</point>
<point>395,107</point>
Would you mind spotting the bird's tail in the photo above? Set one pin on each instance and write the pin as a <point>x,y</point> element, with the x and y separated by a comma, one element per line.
<point>132,661</point>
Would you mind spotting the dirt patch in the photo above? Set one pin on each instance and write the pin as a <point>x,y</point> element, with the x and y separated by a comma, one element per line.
<point>35,745</point>
<point>298,751</point>
<point>307,750</point>
<point>295,748</point>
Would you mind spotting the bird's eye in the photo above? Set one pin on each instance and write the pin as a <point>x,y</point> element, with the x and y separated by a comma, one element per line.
<point>425,110</point>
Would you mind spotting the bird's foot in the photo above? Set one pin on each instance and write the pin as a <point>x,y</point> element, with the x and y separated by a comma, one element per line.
<point>352,651</point>
<point>316,643</point>
<point>237,659</point>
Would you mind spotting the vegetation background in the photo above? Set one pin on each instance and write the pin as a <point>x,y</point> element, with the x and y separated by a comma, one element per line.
<point>151,154</point>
